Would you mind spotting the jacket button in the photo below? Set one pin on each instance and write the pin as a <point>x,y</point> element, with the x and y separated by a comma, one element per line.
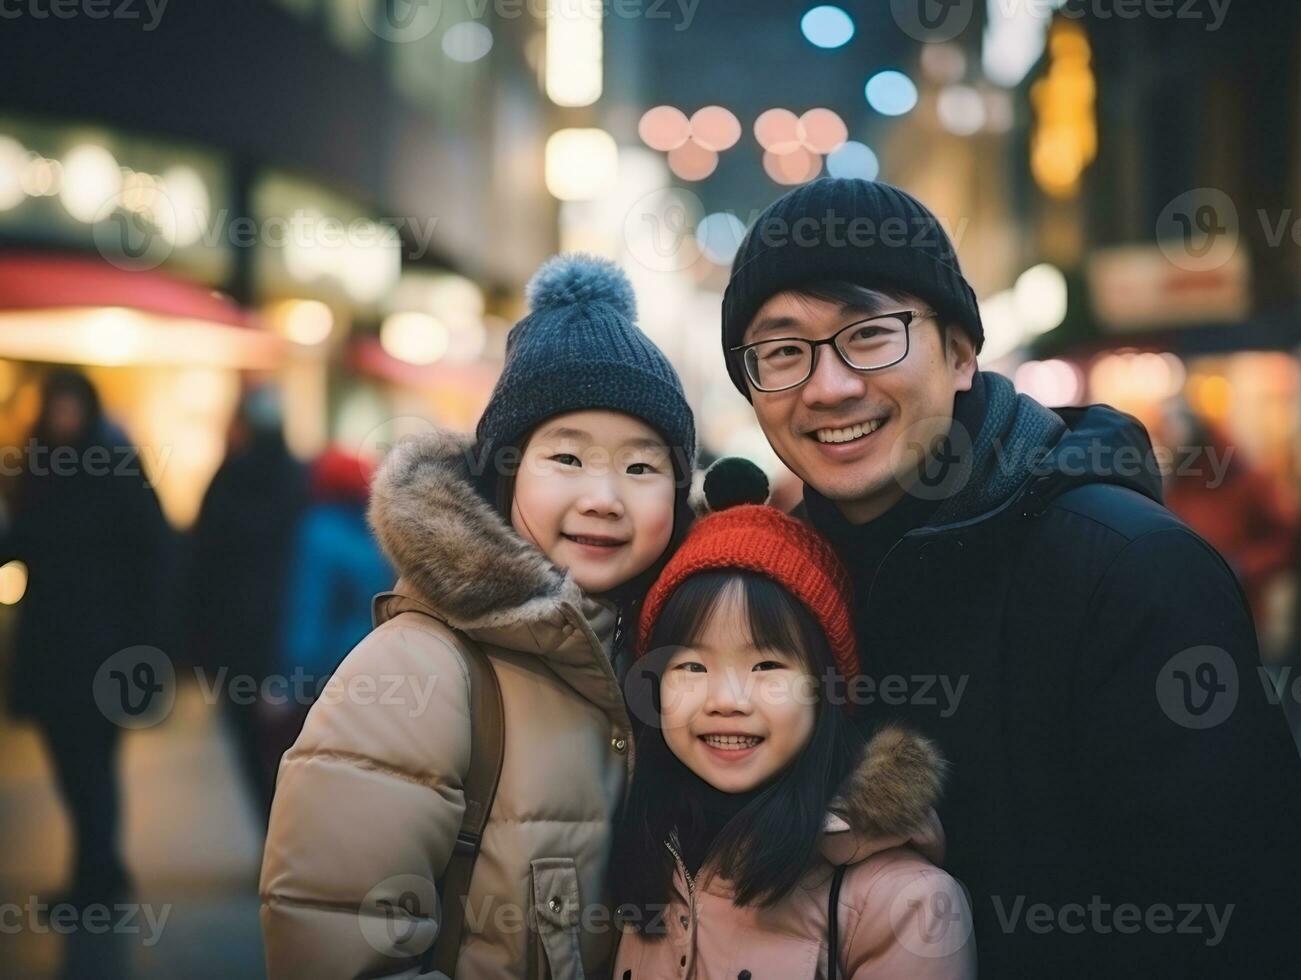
<point>619,744</point>
<point>554,905</point>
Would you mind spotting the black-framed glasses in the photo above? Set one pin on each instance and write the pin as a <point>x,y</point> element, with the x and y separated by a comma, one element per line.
<point>865,345</point>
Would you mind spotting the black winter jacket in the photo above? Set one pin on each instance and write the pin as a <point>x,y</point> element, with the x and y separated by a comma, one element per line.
<point>1123,797</point>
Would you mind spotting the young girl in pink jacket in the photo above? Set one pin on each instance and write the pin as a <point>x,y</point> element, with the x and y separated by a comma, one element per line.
<point>755,808</point>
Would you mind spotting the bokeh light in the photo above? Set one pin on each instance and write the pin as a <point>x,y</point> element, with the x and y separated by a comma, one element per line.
<point>715,128</point>
<point>664,128</point>
<point>691,161</point>
<point>853,159</point>
<point>467,41</point>
<point>719,236</point>
<point>821,130</point>
<point>891,93</point>
<point>778,130</point>
<point>827,26</point>
<point>796,167</point>
<point>961,110</point>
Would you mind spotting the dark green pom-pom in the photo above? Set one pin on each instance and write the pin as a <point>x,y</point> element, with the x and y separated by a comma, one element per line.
<point>734,480</point>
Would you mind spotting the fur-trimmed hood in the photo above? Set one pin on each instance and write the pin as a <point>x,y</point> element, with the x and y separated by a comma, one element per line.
<point>888,800</point>
<point>457,555</point>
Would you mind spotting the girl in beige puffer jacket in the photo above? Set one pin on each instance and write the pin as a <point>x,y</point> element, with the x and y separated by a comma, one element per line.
<point>529,547</point>
<point>762,840</point>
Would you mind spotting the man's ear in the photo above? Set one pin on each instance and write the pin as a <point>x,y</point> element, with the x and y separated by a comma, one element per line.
<point>960,351</point>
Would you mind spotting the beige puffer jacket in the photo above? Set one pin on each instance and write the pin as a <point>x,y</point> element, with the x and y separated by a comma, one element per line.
<point>369,799</point>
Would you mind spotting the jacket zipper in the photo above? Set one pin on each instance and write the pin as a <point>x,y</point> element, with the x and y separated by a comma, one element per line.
<point>672,844</point>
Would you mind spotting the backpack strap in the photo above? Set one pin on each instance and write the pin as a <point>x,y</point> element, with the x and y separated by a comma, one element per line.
<point>487,750</point>
<point>833,922</point>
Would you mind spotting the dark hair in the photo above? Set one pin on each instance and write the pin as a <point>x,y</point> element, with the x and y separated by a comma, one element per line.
<point>766,848</point>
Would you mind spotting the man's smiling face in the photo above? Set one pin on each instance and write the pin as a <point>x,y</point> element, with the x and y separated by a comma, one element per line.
<point>847,433</point>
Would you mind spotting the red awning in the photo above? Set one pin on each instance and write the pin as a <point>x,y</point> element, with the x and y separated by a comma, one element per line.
<point>30,281</point>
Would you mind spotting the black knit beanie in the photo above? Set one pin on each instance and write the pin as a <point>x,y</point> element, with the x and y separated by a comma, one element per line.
<point>579,349</point>
<point>860,231</point>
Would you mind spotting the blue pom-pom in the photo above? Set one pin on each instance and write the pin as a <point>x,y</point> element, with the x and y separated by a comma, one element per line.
<point>734,480</point>
<point>577,278</point>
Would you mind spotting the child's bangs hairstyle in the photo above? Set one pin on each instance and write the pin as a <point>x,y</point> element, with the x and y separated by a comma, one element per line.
<point>767,847</point>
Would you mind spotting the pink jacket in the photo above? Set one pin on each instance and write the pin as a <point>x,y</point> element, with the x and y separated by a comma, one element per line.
<point>899,914</point>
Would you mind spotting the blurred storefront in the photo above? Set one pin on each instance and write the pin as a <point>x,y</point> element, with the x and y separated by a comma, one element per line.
<point>356,243</point>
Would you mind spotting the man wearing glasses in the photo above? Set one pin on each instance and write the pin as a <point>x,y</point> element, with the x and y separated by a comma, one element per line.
<point>1123,798</point>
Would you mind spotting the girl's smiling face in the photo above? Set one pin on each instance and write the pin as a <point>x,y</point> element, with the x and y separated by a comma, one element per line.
<point>734,714</point>
<point>595,493</point>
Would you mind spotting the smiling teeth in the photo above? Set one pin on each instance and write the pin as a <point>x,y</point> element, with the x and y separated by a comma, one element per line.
<point>732,741</point>
<point>849,434</point>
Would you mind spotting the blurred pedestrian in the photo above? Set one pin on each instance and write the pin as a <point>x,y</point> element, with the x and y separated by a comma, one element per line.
<point>335,570</point>
<point>239,565</point>
<point>1233,505</point>
<point>87,524</point>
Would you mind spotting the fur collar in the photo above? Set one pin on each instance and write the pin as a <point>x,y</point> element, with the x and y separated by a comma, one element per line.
<point>888,799</point>
<point>452,547</point>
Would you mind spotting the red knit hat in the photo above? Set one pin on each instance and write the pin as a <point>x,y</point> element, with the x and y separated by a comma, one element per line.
<point>761,539</point>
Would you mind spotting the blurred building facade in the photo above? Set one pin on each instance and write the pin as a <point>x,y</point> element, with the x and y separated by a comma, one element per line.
<point>318,193</point>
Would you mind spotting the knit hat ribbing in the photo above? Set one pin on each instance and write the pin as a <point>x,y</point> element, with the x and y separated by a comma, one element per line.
<point>860,231</point>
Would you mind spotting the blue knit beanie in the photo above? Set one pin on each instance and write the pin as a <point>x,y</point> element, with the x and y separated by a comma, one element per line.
<point>579,349</point>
